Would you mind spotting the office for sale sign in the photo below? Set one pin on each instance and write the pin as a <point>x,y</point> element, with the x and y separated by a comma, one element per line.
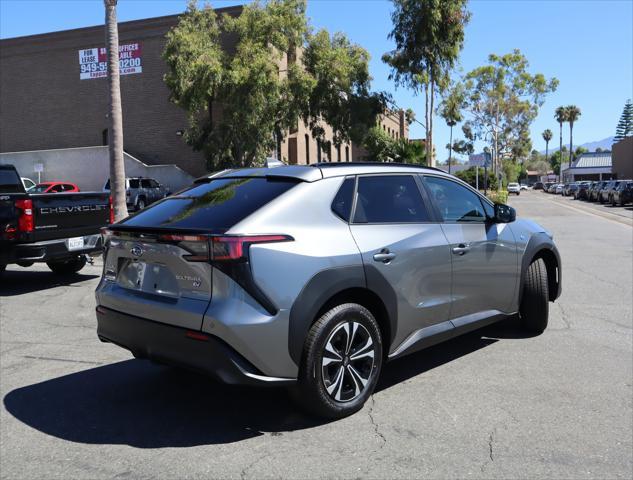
<point>93,62</point>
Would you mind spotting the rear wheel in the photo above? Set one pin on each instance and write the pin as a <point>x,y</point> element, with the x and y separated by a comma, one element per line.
<point>341,362</point>
<point>534,310</point>
<point>67,267</point>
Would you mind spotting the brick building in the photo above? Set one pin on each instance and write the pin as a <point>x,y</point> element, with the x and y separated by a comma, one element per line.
<point>53,95</point>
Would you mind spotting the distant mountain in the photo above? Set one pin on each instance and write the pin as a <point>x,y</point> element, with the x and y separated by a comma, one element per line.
<point>604,144</point>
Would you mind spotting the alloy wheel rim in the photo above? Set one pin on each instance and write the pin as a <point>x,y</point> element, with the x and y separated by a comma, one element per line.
<point>347,363</point>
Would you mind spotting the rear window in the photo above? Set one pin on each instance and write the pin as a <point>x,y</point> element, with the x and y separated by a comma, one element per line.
<point>10,182</point>
<point>215,206</point>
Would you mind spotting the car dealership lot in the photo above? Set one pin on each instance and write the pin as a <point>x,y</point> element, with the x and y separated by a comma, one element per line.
<point>491,404</point>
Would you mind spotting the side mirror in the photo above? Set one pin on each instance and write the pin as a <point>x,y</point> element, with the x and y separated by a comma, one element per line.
<point>504,213</point>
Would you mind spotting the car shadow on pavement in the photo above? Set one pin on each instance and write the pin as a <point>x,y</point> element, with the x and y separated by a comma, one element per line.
<point>137,403</point>
<point>20,282</point>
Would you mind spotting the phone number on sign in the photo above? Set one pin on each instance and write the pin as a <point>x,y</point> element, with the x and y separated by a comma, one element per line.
<point>103,66</point>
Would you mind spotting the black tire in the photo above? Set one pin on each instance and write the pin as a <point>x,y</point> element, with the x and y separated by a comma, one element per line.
<point>3,267</point>
<point>140,204</point>
<point>25,264</point>
<point>67,267</point>
<point>311,391</point>
<point>534,310</point>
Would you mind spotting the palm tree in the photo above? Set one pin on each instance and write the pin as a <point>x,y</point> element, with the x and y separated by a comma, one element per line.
<point>450,111</point>
<point>573,114</point>
<point>115,144</point>
<point>561,117</point>
<point>547,136</point>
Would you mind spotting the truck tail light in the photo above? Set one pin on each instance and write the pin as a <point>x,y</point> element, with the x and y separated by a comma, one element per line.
<point>26,221</point>
<point>111,205</point>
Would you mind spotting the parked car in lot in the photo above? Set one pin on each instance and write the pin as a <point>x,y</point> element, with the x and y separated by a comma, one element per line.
<point>552,188</point>
<point>538,186</point>
<point>623,193</point>
<point>546,186</point>
<point>558,189</point>
<point>196,283</point>
<point>55,187</point>
<point>593,191</point>
<point>606,192</point>
<point>140,192</point>
<point>524,186</point>
<point>570,189</point>
<point>28,183</point>
<point>514,188</point>
<point>583,191</point>
<point>56,228</point>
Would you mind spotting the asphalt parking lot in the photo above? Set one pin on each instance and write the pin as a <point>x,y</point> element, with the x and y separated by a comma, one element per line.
<point>492,404</point>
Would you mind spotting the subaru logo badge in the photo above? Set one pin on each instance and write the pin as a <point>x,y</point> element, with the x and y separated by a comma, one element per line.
<point>136,250</point>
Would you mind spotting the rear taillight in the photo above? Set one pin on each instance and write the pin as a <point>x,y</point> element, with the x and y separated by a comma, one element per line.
<point>111,209</point>
<point>235,248</point>
<point>25,219</point>
<point>196,245</point>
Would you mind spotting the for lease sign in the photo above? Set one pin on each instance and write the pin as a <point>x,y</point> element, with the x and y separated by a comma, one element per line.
<point>93,62</point>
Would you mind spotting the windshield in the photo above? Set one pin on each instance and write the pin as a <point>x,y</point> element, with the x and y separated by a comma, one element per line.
<point>10,181</point>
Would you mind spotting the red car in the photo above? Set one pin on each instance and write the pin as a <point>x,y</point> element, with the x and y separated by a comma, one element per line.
<point>55,187</point>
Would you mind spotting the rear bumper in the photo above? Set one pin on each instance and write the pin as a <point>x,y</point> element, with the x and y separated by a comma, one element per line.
<point>200,352</point>
<point>48,250</point>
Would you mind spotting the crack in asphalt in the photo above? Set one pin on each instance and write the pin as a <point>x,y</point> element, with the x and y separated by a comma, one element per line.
<point>491,456</point>
<point>61,359</point>
<point>377,432</point>
<point>564,316</point>
<point>244,471</point>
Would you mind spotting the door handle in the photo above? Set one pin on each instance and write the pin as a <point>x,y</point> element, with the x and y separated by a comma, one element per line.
<point>461,249</point>
<point>385,256</point>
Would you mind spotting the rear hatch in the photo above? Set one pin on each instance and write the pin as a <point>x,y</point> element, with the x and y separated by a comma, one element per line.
<point>159,262</point>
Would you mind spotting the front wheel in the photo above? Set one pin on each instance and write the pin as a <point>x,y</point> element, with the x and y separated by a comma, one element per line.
<point>341,362</point>
<point>140,204</point>
<point>534,309</point>
<point>67,267</point>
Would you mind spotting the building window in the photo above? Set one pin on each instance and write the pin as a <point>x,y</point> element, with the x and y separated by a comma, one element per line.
<point>347,154</point>
<point>338,153</point>
<point>329,151</point>
<point>318,150</point>
<point>307,149</point>
<point>104,137</point>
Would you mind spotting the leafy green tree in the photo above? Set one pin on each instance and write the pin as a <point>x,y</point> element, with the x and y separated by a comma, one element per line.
<point>573,114</point>
<point>502,100</point>
<point>241,101</point>
<point>625,125</point>
<point>382,148</point>
<point>559,158</point>
<point>547,136</point>
<point>561,117</point>
<point>470,176</point>
<point>429,34</point>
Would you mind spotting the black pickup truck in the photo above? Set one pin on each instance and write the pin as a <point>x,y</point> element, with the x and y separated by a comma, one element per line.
<point>57,228</point>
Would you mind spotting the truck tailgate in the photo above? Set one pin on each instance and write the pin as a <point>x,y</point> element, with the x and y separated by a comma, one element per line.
<point>64,215</point>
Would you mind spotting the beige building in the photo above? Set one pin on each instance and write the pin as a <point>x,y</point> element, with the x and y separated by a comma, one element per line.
<point>393,123</point>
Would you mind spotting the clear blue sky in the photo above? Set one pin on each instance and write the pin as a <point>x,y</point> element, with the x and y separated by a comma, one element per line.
<point>586,44</point>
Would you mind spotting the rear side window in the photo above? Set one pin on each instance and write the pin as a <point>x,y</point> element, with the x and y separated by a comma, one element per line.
<point>134,183</point>
<point>216,205</point>
<point>342,203</point>
<point>10,181</point>
<point>389,199</point>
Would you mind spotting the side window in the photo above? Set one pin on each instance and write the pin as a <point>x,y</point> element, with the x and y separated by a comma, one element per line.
<point>146,183</point>
<point>342,203</point>
<point>389,199</point>
<point>153,183</point>
<point>134,183</point>
<point>455,202</point>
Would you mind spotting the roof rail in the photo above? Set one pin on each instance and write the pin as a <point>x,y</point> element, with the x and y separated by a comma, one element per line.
<point>372,164</point>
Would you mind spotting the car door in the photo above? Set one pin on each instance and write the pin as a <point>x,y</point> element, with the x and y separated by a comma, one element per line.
<point>405,253</point>
<point>484,256</point>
